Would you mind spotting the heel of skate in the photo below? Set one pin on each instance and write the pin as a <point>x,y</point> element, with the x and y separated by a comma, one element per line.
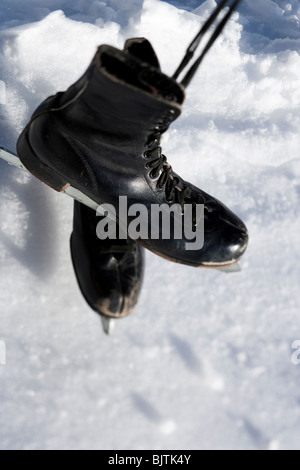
<point>36,167</point>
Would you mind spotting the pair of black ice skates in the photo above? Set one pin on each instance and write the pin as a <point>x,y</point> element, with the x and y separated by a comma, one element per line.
<point>101,140</point>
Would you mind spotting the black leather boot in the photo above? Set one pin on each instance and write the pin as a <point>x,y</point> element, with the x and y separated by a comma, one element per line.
<point>102,137</point>
<point>109,272</point>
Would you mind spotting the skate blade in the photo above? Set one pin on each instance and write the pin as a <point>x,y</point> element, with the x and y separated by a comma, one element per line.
<point>13,159</point>
<point>235,268</point>
<point>108,325</point>
<point>80,197</point>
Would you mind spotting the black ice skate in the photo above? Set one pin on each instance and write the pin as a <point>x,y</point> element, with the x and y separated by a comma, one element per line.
<point>109,272</point>
<point>100,140</point>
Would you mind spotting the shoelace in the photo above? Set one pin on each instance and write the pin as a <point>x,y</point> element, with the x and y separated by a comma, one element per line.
<point>197,40</point>
<point>161,169</point>
<point>159,166</point>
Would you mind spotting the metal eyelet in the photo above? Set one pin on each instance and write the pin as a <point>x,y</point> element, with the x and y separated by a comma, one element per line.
<point>151,143</point>
<point>170,200</point>
<point>170,97</point>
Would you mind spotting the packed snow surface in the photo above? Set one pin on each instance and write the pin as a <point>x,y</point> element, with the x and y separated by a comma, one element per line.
<point>205,361</point>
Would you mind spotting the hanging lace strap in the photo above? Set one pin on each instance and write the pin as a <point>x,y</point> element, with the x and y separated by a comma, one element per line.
<point>197,40</point>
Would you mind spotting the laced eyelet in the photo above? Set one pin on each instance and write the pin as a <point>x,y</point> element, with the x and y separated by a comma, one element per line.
<point>158,168</point>
<point>152,175</point>
<point>151,143</point>
<point>170,200</point>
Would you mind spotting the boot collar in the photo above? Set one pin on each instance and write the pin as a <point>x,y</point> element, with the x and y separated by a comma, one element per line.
<point>127,69</point>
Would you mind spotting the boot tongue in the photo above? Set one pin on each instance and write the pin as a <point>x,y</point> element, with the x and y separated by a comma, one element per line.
<point>142,49</point>
<point>132,66</point>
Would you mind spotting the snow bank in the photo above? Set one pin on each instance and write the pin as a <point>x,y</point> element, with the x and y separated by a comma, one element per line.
<point>2,93</point>
<point>205,361</point>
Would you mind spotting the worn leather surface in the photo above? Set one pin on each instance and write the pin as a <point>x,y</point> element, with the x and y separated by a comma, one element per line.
<point>109,272</point>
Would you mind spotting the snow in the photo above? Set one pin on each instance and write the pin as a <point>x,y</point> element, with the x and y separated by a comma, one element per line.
<point>205,361</point>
